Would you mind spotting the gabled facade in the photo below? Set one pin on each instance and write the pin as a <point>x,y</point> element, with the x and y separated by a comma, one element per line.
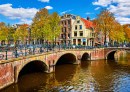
<point>83,32</point>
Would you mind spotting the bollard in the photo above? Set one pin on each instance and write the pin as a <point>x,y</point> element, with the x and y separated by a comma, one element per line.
<point>49,66</point>
<point>53,66</point>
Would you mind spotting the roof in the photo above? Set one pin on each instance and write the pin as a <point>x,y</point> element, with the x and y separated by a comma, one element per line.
<point>87,23</point>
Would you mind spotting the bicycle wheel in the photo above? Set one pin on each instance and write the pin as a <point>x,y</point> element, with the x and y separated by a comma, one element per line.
<point>13,54</point>
<point>1,57</point>
<point>29,52</point>
<point>21,53</point>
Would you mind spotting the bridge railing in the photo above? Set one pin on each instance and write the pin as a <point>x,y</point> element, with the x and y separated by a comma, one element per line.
<point>37,49</point>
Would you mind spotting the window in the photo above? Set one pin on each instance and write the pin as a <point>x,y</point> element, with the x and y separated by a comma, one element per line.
<point>65,36</point>
<point>79,41</point>
<point>65,29</point>
<point>81,33</point>
<point>74,41</point>
<point>78,21</point>
<point>75,33</point>
<point>75,27</point>
<point>61,42</point>
<point>61,29</point>
<point>68,29</point>
<point>61,36</point>
<point>80,26</point>
<point>65,22</point>
<point>68,22</point>
<point>68,35</point>
<point>93,34</point>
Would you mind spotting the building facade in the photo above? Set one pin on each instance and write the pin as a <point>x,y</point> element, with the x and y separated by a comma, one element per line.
<point>83,32</point>
<point>65,35</point>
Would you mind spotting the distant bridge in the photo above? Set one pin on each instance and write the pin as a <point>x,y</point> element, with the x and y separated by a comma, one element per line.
<point>11,69</point>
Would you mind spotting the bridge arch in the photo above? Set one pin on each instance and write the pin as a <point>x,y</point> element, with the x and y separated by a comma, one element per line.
<point>85,56</point>
<point>31,65</point>
<point>110,55</point>
<point>66,58</point>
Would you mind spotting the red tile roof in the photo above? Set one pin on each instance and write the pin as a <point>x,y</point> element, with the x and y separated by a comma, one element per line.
<point>87,23</point>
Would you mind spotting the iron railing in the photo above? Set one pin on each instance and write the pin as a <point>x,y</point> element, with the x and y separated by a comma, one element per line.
<point>24,50</point>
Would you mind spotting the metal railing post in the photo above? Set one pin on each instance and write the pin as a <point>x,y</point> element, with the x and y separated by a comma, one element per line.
<point>59,47</point>
<point>64,47</point>
<point>53,46</point>
<point>16,53</point>
<point>47,46</point>
<point>33,50</point>
<point>25,51</point>
<point>6,55</point>
<point>41,49</point>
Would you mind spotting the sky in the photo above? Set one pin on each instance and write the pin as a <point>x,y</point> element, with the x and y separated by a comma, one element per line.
<point>22,11</point>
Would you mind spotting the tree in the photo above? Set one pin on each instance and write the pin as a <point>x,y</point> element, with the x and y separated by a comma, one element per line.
<point>11,31</point>
<point>55,28</point>
<point>40,24</point>
<point>104,22</point>
<point>118,33</point>
<point>21,33</point>
<point>16,36</point>
<point>3,31</point>
<point>127,32</point>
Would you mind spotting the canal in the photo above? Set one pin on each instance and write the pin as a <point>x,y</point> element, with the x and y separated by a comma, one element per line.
<point>100,75</point>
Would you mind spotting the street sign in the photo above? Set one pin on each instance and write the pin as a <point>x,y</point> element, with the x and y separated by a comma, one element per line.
<point>84,40</point>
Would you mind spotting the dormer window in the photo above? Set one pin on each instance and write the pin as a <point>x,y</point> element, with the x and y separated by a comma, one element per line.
<point>78,21</point>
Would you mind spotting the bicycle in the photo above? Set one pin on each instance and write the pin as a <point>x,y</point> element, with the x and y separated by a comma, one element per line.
<point>1,56</point>
<point>18,54</point>
<point>29,52</point>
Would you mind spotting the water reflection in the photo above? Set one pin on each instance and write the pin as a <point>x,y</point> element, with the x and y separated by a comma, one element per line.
<point>100,75</point>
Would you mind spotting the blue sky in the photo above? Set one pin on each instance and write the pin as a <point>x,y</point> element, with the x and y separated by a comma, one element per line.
<point>22,11</point>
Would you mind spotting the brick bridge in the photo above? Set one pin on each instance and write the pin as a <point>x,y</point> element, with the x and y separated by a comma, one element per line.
<point>11,69</point>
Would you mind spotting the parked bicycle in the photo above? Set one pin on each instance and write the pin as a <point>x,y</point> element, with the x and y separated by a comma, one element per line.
<point>29,52</point>
<point>1,56</point>
<point>19,54</point>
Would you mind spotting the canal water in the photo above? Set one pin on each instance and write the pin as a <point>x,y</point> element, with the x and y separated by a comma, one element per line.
<point>89,76</point>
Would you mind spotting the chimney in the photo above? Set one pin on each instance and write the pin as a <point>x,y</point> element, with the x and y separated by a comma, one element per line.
<point>88,18</point>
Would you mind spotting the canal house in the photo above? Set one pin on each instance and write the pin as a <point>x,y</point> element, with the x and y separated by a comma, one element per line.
<point>83,32</point>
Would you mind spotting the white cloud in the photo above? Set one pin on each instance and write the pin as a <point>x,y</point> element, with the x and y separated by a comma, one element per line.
<point>25,15</point>
<point>17,13</point>
<point>103,3</point>
<point>49,7</point>
<point>65,11</point>
<point>121,8</point>
<point>123,20</point>
<point>89,13</point>
<point>97,8</point>
<point>26,21</point>
<point>44,1</point>
<point>120,1</point>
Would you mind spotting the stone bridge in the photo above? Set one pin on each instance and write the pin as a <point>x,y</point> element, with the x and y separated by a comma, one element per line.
<point>12,69</point>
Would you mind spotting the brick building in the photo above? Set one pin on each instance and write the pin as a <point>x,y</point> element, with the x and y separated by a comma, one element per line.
<point>65,35</point>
